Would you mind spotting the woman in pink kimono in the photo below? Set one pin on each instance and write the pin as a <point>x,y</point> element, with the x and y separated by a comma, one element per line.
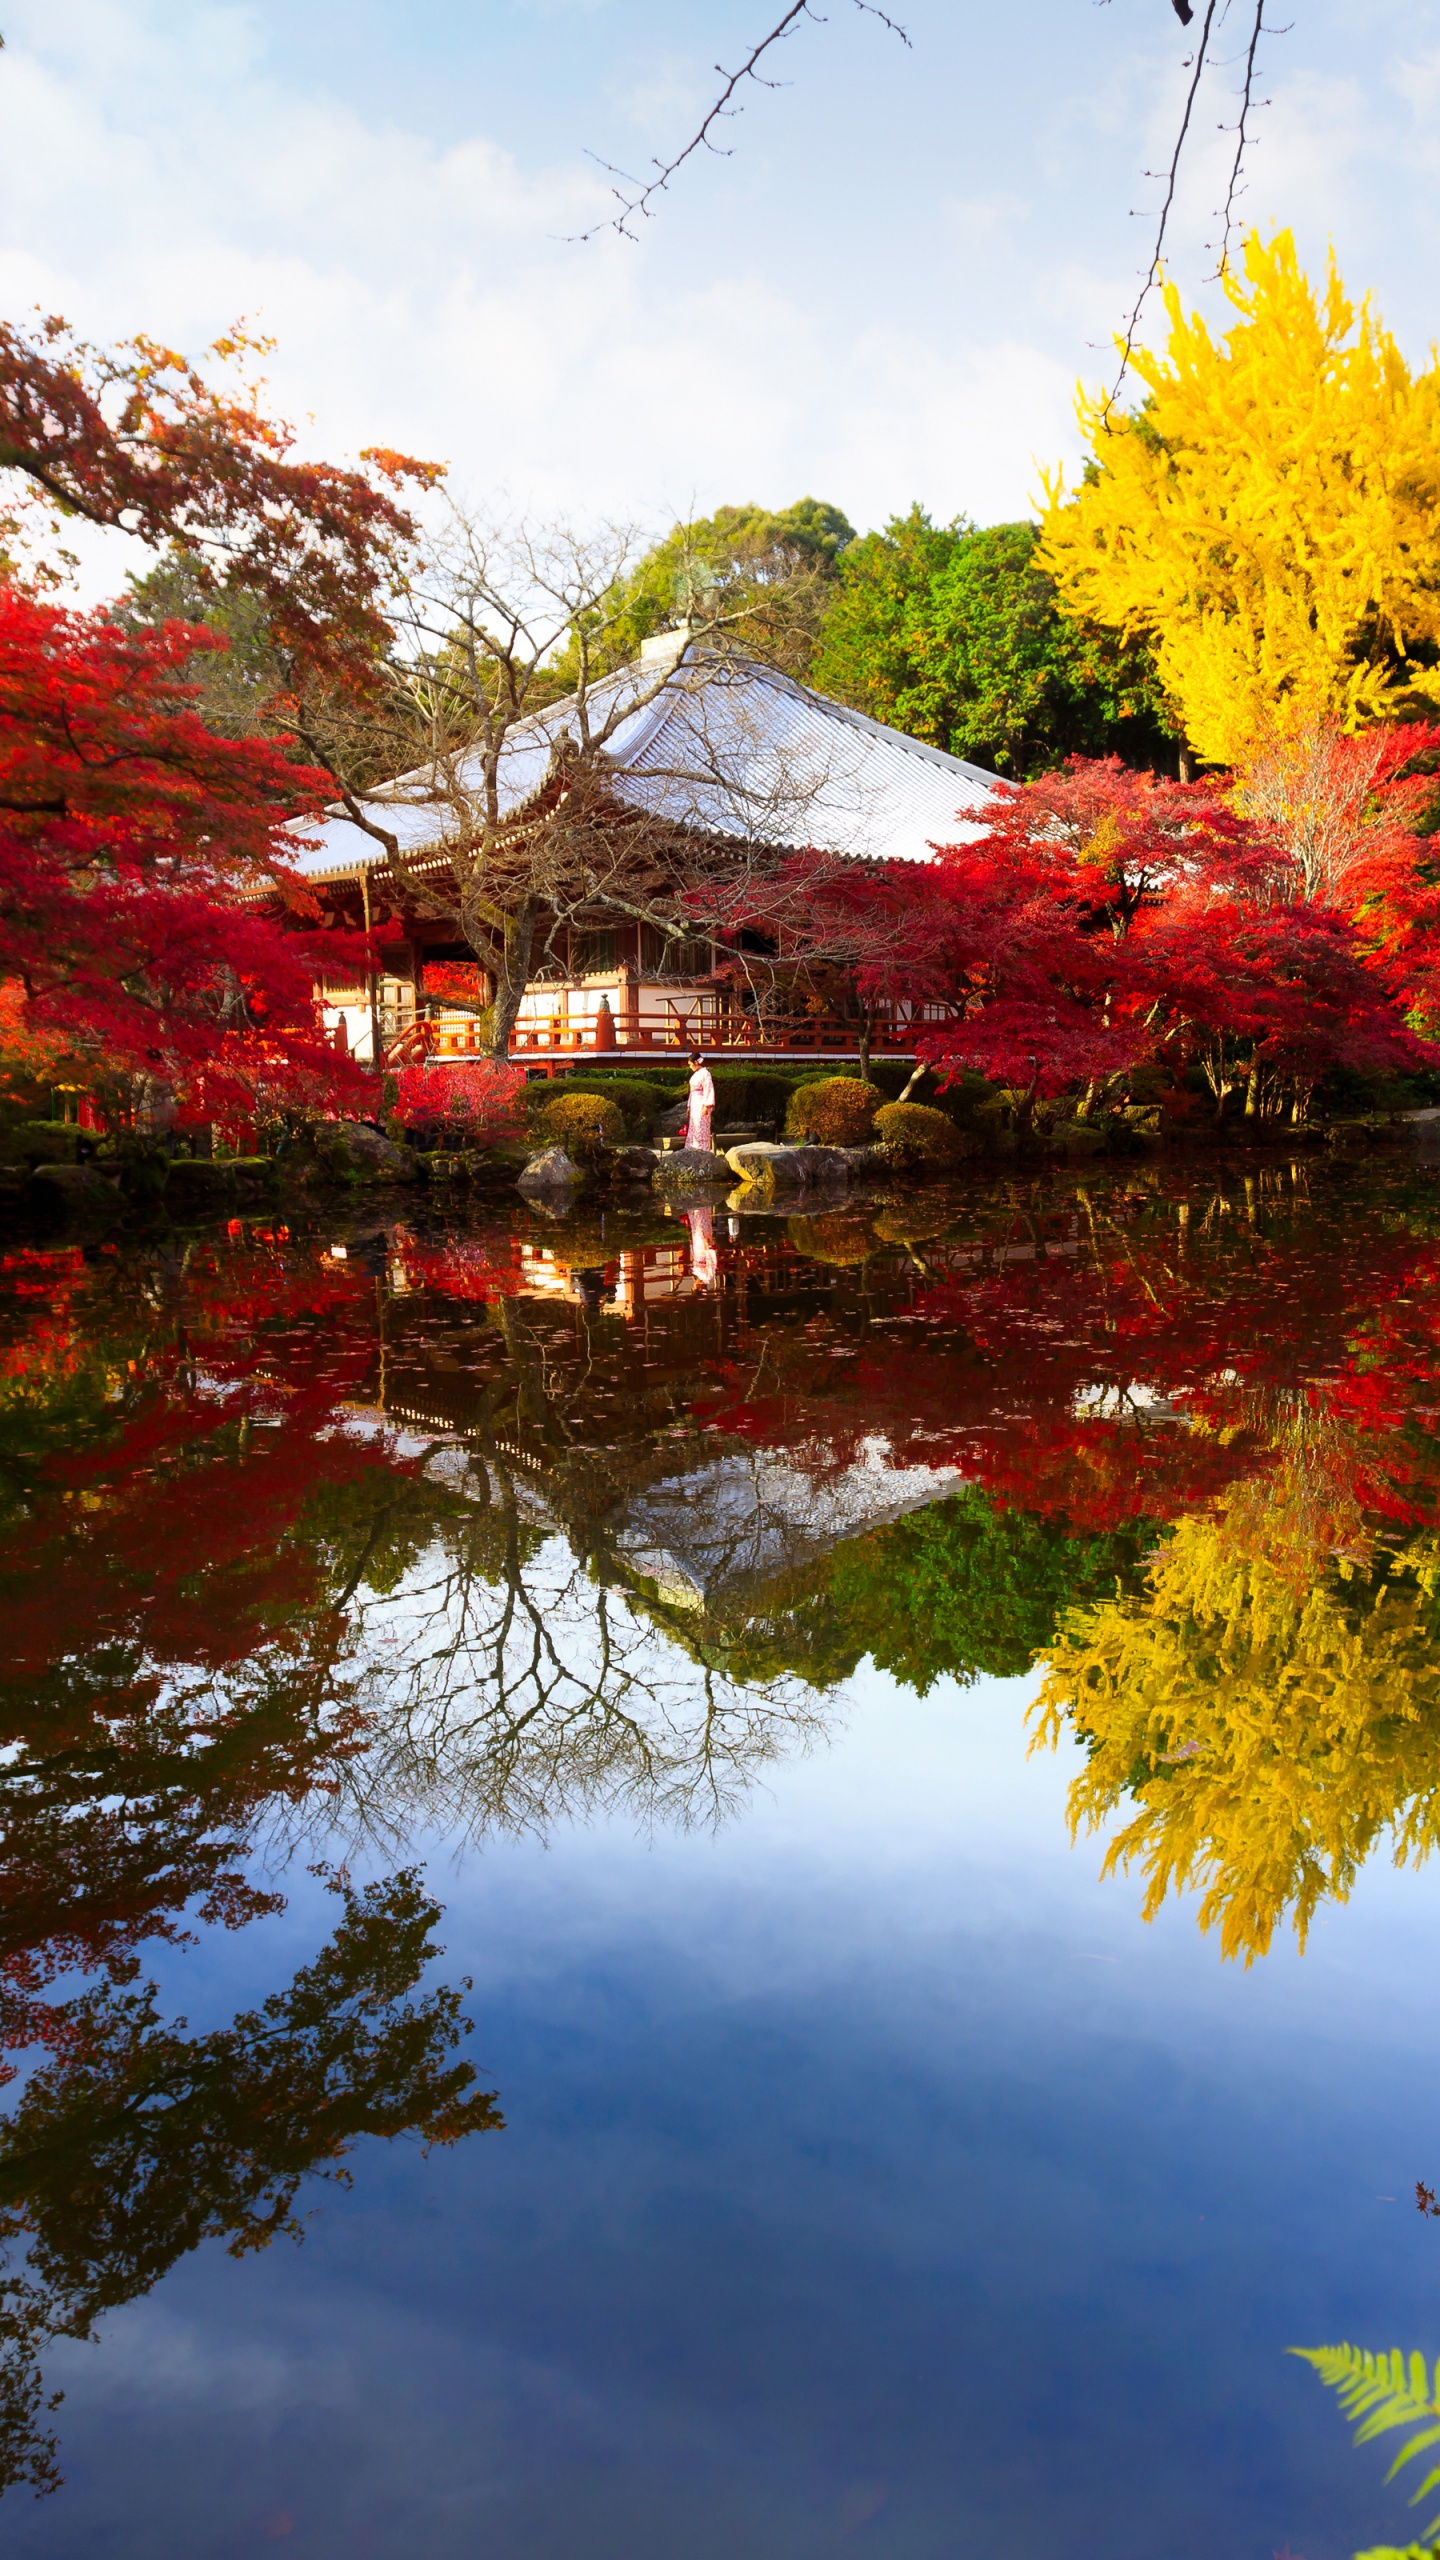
<point>702,1104</point>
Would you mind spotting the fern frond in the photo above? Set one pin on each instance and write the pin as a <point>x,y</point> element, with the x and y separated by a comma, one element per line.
<point>1388,2551</point>
<point>1385,2391</point>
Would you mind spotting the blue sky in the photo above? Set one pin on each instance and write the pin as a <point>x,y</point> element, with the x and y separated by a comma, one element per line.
<point>887,291</point>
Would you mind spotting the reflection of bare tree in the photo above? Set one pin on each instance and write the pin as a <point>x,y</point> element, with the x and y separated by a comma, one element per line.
<point>547,1659</point>
<point>537,1687</point>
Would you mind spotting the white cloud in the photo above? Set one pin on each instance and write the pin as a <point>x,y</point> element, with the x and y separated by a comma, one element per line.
<point>421,297</point>
<point>166,167</point>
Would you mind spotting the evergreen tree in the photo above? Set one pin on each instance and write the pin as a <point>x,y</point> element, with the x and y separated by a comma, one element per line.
<point>954,633</point>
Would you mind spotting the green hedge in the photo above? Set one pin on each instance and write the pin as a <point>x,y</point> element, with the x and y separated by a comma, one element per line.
<point>752,1096</point>
<point>638,1099</point>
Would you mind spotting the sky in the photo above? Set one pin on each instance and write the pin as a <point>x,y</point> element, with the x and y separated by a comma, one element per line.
<point>886,291</point>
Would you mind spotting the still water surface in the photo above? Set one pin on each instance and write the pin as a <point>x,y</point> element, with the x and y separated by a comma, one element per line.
<point>921,1731</point>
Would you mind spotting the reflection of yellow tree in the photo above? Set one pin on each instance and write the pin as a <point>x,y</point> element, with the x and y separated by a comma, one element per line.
<point>1265,1723</point>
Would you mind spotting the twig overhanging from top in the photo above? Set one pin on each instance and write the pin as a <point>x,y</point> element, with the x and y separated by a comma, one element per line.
<point>639,201</point>
<point>1152,272</point>
<point>1242,136</point>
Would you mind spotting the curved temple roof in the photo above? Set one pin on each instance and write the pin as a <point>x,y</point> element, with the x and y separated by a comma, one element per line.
<point>716,742</point>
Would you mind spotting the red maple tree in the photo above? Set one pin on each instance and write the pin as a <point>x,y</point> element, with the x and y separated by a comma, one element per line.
<point>1106,919</point>
<point>135,846</point>
<point>138,438</point>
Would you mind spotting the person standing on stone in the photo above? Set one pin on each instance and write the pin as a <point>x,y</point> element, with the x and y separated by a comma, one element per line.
<point>702,1104</point>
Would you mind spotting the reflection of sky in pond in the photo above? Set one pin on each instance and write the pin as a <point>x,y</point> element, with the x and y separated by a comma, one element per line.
<point>873,2179</point>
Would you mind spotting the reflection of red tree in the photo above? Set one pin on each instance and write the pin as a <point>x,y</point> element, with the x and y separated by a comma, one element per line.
<point>1106,1385</point>
<point>471,1269</point>
<point>163,1544</point>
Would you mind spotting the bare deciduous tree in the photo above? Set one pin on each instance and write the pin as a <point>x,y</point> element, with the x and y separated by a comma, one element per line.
<point>508,717</point>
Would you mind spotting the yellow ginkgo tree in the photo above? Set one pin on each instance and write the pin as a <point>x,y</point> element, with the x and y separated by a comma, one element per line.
<point>1269,517</point>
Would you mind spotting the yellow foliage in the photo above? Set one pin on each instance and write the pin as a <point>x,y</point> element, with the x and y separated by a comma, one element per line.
<point>1265,1728</point>
<point>1270,518</point>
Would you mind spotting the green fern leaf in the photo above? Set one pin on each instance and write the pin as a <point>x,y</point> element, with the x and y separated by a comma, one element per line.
<point>1383,2391</point>
<point>1388,2551</point>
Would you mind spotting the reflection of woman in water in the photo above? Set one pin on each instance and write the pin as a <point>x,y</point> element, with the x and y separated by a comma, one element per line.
<point>704,1260</point>
<point>702,1103</point>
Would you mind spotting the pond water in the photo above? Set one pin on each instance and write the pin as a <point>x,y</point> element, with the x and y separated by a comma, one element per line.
<point>912,1737</point>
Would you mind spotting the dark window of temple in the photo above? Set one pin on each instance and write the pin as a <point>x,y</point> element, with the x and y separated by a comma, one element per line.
<point>590,953</point>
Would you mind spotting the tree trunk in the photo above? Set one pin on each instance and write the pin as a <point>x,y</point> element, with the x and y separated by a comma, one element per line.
<point>512,971</point>
<point>1252,1088</point>
<point>1025,1107</point>
<point>866,1027</point>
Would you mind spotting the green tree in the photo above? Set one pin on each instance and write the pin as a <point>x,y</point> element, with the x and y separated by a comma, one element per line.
<point>954,633</point>
<point>961,1589</point>
<point>254,688</point>
<point>777,569</point>
<point>237,684</point>
<point>966,1587</point>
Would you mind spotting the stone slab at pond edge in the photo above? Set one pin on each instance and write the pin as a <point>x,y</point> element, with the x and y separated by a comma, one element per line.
<point>691,1169</point>
<point>768,1167</point>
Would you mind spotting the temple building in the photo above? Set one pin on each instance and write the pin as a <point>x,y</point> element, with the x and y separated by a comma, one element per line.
<point>719,749</point>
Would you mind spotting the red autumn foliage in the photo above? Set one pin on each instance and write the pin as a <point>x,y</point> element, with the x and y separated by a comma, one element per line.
<point>454,982</point>
<point>129,837</point>
<point>136,437</point>
<point>471,1101</point>
<point>1105,919</point>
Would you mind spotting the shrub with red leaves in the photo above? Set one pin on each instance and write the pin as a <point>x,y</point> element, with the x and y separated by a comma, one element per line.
<point>466,1102</point>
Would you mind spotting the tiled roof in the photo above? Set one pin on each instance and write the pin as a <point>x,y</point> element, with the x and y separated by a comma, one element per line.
<point>726,745</point>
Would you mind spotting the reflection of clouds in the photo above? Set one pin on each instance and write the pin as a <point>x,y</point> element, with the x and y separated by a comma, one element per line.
<point>156,2356</point>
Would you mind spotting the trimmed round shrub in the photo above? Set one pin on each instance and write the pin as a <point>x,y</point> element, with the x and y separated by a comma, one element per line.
<point>581,1123</point>
<point>638,1099</point>
<point>838,1111</point>
<point>919,1135</point>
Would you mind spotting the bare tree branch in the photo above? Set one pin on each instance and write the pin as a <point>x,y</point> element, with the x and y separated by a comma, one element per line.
<point>1152,274</point>
<point>636,195</point>
<point>1242,137</point>
<point>643,190</point>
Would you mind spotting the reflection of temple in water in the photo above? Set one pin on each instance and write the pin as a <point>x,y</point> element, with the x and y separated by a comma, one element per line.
<point>599,1390</point>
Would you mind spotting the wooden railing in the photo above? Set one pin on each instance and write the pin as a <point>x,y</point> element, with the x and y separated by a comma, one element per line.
<point>700,1020</point>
